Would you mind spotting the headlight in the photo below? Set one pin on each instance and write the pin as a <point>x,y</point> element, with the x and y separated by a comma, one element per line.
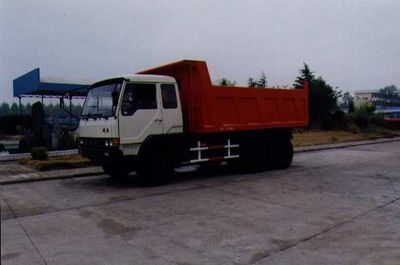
<point>115,142</point>
<point>112,142</point>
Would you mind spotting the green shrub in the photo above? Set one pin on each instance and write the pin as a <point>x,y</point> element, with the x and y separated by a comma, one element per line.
<point>377,120</point>
<point>340,119</point>
<point>363,113</point>
<point>9,124</point>
<point>338,115</point>
<point>24,145</point>
<point>365,107</point>
<point>354,128</point>
<point>39,153</point>
<point>361,119</point>
<point>66,141</point>
<point>327,123</point>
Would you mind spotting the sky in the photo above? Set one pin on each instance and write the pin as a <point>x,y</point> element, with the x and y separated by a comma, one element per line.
<point>352,44</point>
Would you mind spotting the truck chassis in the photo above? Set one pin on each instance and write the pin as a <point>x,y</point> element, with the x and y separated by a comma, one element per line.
<point>159,155</point>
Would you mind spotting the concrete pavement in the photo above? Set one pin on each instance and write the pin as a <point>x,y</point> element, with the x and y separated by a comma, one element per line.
<point>338,206</point>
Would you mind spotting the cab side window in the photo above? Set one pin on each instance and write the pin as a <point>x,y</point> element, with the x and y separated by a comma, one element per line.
<point>138,96</point>
<point>169,96</point>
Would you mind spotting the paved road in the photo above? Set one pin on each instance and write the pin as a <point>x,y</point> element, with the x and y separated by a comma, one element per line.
<point>338,206</point>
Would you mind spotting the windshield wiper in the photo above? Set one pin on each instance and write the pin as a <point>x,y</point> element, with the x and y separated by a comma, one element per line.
<point>100,115</point>
<point>94,116</point>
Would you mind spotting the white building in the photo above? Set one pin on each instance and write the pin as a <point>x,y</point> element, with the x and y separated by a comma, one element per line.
<point>376,97</point>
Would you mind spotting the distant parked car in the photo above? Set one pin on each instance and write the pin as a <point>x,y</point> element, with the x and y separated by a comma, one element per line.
<point>393,119</point>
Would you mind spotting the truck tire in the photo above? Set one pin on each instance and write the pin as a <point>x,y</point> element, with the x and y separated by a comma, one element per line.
<point>155,169</point>
<point>282,154</point>
<point>116,171</point>
<point>253,157</point>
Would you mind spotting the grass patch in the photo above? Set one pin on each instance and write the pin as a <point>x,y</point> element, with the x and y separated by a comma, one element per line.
<point>61,162</point>
<point>307,138</point>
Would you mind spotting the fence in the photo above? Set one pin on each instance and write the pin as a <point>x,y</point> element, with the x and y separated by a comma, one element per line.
<point>11,157</point>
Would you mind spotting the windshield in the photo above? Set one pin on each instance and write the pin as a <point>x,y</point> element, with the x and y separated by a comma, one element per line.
<point>99,101</point>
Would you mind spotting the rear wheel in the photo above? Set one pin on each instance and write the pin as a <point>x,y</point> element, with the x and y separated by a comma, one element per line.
<point>253,157</point>
<point>273,153</point>
<point>282,154</point>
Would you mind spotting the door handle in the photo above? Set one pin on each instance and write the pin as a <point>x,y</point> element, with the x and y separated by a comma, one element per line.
<point>159,120</point>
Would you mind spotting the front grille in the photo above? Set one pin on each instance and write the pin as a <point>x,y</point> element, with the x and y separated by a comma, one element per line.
<point>92,142</point>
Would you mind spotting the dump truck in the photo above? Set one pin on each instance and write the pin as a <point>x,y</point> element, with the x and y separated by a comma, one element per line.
<point>161,118</point>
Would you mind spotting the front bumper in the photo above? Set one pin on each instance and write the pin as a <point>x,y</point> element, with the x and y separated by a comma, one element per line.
<point>96,154</point>
<point>96,150</point>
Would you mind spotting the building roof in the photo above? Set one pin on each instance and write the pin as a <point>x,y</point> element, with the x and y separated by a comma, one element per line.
<point>372,91</point>
<point>366,91</point>
<point>31,85</point>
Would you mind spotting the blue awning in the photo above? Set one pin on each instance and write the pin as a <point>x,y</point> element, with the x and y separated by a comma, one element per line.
<point>387,109</point>
<point>30,85</point>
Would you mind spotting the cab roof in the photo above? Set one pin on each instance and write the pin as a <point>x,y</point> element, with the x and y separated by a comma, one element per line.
<point>143,78</point>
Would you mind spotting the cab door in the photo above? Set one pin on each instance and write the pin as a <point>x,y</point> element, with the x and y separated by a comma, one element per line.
<point>140,113</point>
<point>171,109</point>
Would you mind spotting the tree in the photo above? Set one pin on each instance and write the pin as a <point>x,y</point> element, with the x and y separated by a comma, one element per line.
<point>323,100</point>
<point>346,101</point>
<point>77,109</point>
<point>251,82</point>
<point>390,95</point>
<point>49,110</point>
<point>352,108</point>
<point>28,109</point>
<point>322,97</point>
<point>226,82</point>
<point>261,82</point>
<point>4,109</point>
<point>305,74</point>
<point>389,90</point>
<point>14,109</point>
<point>38,122</point>
<point>22,109</point>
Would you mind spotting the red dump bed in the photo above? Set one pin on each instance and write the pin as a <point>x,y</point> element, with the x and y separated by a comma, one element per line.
<point>208,108</point>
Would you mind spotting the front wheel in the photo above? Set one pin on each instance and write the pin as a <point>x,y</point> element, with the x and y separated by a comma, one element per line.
<point>155,169</point>
<point>116,170</point>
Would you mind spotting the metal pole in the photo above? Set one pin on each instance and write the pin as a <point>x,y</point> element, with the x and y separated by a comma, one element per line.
<point>20,115</point>
<point>70,110</point>
<point>20,108</point>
